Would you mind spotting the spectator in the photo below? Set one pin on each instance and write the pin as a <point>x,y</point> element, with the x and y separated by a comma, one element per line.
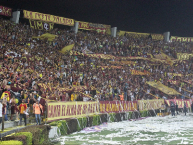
<point>37,111</point>
<point>22,109</point>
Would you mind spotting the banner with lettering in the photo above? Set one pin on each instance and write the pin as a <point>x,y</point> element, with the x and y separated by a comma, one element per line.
<point>117,106</point>
<point>134,34</point>
<point>103,56</point>
<point>40,25</point>
<point>100,28</point>
<point>184,56</point>
<point>180,102</point>
<point>181,39</point>
<point>150,104</point>
<point>5,11</point>
<point>136,72</point>
<point>64,110</point>
<point>65,89</point>
<point>48,18</point>
<point>157,36</point>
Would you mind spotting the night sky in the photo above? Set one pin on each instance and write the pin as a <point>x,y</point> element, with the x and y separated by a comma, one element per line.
<point>146,16</point>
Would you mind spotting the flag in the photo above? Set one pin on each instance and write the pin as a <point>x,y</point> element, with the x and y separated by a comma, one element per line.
<point>67,48</point>
<point>48,36</point>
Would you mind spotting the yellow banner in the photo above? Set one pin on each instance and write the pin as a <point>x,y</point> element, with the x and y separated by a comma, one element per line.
<point>48,18</point>
<point>67,48</point>
<point>163,88</point>
<point>165,57</point>
<point>157,36</point>
<point>134,34</point>
<point>103,56</point>
<point>184,56</point>
<point>48,36</point>
<point>63,110</point>
<point>175,74</point>
<point>181,39</point>
<point>150,104</point>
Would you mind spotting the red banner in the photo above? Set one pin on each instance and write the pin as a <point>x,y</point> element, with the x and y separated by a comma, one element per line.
<point>5,11</point>
<point>180,102</point>
<point>136,72</point>
<point>117,106</point>
<point>100,28</point>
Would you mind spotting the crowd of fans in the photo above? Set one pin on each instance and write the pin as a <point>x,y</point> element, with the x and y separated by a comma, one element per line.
<point>26,62</point>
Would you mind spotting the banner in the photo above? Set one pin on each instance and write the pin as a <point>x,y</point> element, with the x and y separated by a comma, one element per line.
<point>5,11</point>
<point>157,36</point>
<point>150,104</point>
<point>117,106</point>
<point>48,36</point>
<point>103,56</point>
<point>165,57</point>
<point>65,89</point>
<point>111,67</point>
<point>184,56</point>
<point>63,110</point>
<point>175,74</point>
<point>181,39</point>
<point>180,102</point>
<point>163,88</point>
<point>134,34</point>
<point>133,58</point>
<point>40,25</point>
<point>48,18</point>
<point>136,72</point>
<point>67,48</point>
<point>100,28</point>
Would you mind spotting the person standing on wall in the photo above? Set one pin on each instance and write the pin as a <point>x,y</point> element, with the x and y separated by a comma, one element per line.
<point>173,109</point>
<point>192,106</point>
<point>185,109</point>
<point>37,110</point>
<point>22,110</point>
<point>176,108</point>
<point>121,97</point>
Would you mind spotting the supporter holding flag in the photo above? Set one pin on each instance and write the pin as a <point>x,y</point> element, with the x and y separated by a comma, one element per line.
<point>185,109</point>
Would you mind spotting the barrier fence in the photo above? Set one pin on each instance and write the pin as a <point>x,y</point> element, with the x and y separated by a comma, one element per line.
<point>180,102</point>
<point>150,104</point>
<point>117,106</point>
<point>64,110</point>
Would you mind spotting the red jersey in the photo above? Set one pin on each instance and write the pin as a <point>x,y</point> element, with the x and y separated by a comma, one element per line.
<point>22,108</point>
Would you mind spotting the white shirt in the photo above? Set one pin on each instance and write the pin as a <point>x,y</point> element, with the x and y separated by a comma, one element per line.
<point>1,106</point>
<point>179,89</point>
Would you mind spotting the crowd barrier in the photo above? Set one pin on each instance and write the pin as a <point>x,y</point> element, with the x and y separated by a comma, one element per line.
<point>180,102</point>
<point>64,110</point>
<point>117,106</point>
<point>150,104</point>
